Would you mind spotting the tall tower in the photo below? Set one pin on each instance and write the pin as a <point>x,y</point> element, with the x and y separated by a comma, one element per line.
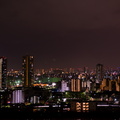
<point>99,72</point>
<point>3,72</point>
<point>28,74</point>
<point>76,85</point>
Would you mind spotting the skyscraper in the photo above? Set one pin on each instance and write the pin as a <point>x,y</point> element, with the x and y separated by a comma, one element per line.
<point>3,72</point>
<point>99,73</point>
<point>28,73</point>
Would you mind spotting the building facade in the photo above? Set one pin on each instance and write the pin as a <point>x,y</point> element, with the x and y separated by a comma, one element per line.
<point>76,85</point>
<point>99,73</point>
<point>28,72</point>
<point>18,96</point>
<point>3,72</point>
<point>65,86</point>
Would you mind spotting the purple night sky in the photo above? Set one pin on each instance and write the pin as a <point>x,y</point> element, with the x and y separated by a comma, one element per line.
<point>60,33</point>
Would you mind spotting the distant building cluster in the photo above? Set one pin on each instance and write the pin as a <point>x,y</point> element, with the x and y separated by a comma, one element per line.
<point>62,80</point>
<point>54,86</point>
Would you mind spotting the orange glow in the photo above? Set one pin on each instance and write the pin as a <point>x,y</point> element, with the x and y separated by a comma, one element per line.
<point>40,84</point>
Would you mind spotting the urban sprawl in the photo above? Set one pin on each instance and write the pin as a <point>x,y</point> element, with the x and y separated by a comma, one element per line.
<point>59,90</point>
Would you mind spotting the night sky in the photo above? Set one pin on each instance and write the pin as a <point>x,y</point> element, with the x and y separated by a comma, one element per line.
<point>60,33</point>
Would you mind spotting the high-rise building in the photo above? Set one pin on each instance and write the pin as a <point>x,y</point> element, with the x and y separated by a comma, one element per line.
<point>99,73</point>
<point>28,73</point>
<point>76,85</point>
<point>3,72</point>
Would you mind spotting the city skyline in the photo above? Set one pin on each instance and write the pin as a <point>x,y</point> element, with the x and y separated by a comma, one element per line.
<point>60,34</point>
<point>60,67</point>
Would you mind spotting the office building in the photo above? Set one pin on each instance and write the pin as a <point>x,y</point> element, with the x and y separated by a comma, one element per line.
<point>76,85</point>
<point>99,73</point>
<point>28,73</point>
<point>3,72</point>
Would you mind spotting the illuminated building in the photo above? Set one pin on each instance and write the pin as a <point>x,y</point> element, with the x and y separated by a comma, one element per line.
<point>118,84</point>
<point>86,83</point>
<point>27,67</point>
<point>105,84</point>
<point>64,86</point>
<point>114,85</point>
<point>34,99</point>
<point>76,85</point>
<point>85,106</point>
<point>3,72</point>
<point>18,96</point>
<point>99,73</point>
<point>111,85</point>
